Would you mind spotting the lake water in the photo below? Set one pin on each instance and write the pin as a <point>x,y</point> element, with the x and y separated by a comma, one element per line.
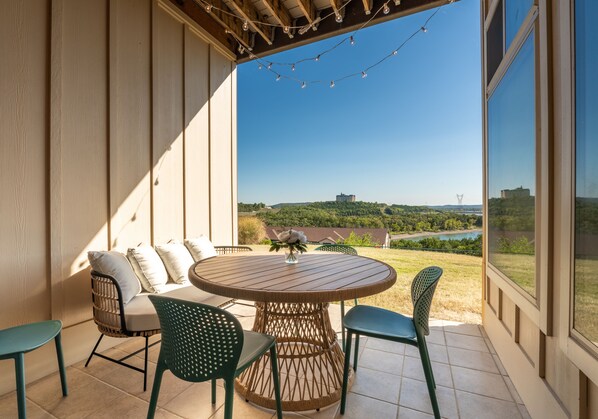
<point>451,236</point>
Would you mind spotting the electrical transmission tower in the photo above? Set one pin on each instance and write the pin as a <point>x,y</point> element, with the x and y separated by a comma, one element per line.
<point>460,199</point>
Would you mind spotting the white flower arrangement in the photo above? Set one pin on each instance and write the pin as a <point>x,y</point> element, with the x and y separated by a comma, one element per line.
<point>293,240</point>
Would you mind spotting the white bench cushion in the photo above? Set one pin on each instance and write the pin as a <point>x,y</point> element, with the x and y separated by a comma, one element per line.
<point>148,267</point>
<point>177,260</point>
<point>117,266</point>
<point>200,248</point>
<point>140,313</point>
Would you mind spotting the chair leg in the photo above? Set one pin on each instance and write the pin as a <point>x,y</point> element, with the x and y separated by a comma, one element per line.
<point>425,348</point>
<point>276,379</point>
<point>423,352</point>
<point>213,391</point>
<point>160,368</point>
<point>94,350</point>
<point>229,394</point>
<point>145,364</point>
<point>20,375</point>
<point>346,372</point>
<point>342,324</point>
<point>58,342</point>
<point>356,353</point>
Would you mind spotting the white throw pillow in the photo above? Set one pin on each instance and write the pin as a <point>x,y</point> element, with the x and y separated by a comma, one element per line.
<point>200,248</point>
<point>148,267</point>
<point>117,266</point>
<point>177,260</point>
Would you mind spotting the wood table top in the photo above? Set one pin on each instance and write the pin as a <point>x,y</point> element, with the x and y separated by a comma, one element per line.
<point>319,277</point>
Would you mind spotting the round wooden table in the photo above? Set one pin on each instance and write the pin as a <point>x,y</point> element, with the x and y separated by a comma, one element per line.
<point>292,304</point>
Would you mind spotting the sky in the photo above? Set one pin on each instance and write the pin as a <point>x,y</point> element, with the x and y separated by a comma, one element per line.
<point>409,133</point>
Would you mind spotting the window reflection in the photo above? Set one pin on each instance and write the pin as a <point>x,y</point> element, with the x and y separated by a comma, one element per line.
<point>511,171</point>
<point>586,184</point>
<point>515,13</point>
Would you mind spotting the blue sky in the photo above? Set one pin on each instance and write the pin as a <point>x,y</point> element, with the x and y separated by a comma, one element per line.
<point>409,133</point>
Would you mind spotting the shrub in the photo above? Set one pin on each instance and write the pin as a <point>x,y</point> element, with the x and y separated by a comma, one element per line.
<point>251,230</point>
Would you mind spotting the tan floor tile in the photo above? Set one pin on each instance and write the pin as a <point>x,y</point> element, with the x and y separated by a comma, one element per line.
<point>8,408</point>
<point>127,407</point>
<point>464,329</point>
<point>513,390</point>
<point>436,336</point>
<point>381,361</point>
<point>377,384</point>
<point>329,412</point>
<point>437,352</point>
<point>480,382</point>
<point>482,361</point>
<point>195,402</point>
<point>499,365</point>
<point>474,343</point>
<point>83,398</point>
<point>490,346</point>
<point>245,410</point>
<point>524,413</point>
<point>360,407</point>
<point>406,413</point>
<point>473,406</point>
<point>385,345</point>
<point>414,395</point>
<point>412,368</point>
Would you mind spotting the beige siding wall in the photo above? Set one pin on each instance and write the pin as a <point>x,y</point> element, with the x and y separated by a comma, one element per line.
<point>115,129</point>
<point>555,376</point>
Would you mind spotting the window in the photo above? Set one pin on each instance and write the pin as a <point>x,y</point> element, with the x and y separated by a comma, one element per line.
<point>512,171</point>
<point>494,41</point>
<point>586,170</point>
<point>515,13</point>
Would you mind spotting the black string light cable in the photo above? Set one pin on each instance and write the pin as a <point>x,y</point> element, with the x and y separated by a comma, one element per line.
<point>364,73</point>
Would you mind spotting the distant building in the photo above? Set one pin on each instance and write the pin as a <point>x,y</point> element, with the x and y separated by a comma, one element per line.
<point>345,198</point>
<point>519,192</point>
<point>333,235</point>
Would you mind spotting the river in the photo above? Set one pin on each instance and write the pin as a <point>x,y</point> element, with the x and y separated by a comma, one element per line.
<point>457,235</point>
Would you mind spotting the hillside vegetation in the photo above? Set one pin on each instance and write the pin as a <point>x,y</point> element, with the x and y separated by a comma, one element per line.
<point>396,218</point>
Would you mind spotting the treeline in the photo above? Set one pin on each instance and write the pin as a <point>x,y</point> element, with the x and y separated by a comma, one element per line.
<point>250,207</point>
<point>396,218</point>
<point>434,244</point>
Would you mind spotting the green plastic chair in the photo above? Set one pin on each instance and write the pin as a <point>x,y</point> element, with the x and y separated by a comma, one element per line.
<point>202,342</point>
<point>347,250</point>
<point>388,325</point>
<point>17,341</point>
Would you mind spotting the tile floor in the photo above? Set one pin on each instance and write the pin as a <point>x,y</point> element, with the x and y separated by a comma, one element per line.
<point>471,383</point>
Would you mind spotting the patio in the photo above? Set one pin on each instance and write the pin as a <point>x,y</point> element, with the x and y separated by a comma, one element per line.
<point>471,380</point>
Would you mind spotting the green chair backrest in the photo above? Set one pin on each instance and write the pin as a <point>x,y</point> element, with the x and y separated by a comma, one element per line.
<point>422,291</point>
<point>339,248</point>
<point>199,342</point>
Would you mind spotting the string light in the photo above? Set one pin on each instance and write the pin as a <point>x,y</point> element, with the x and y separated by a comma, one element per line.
<point>208,8</point>
<point>424,29</point>
<point>286,29</point>
<point>351,40</point>
<point>259,67</point>
<point>386,9</point>
<point>338,18</point>
<point>245,26</point>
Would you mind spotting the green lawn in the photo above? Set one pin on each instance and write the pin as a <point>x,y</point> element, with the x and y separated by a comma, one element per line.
<point>459,293</point>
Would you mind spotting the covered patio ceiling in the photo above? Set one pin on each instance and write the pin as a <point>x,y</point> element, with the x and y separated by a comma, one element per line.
<point>251,28</point>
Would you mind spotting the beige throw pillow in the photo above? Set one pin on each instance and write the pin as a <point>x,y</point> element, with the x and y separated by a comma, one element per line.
<point>200,248</point>
<point>148,267</point>
<point>177,260</point>
<point>117,266</point>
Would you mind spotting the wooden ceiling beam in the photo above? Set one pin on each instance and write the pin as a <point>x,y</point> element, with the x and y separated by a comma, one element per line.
<point>248,12</point>
<point>367,6</point>
<point>336,7</point>
<point>354,18</point>
<point>228,22</point>
<point>280,12</point>
<point>308,9</point>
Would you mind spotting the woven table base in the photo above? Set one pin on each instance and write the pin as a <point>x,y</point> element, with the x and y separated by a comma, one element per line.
<point>309,357</point>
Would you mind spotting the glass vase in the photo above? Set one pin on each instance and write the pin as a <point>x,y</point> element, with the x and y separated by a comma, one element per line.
<point>291,256</point>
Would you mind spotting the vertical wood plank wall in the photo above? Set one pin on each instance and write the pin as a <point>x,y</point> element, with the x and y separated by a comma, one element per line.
<point>115,129</point>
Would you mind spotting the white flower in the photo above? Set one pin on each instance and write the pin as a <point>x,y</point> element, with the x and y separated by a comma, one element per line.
<point>292,236</point>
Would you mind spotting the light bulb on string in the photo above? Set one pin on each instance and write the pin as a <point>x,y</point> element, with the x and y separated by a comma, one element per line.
<point>395,52</point>
<point>278,77</point>
<point>364,74</point>
<point>293,67</point>
<point>352,40</point>
<point>338,18</point>
<point>286,29</point>
<point>424,29</point>
<point>332,84</point>
<point>259,66</point>
<point>208,8</point>
<point>386,9</point>
<point>269,66</point>
<point>317,58</point>
<point>245,26</point>
<point>241,49</point>
<point>303,85</point>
